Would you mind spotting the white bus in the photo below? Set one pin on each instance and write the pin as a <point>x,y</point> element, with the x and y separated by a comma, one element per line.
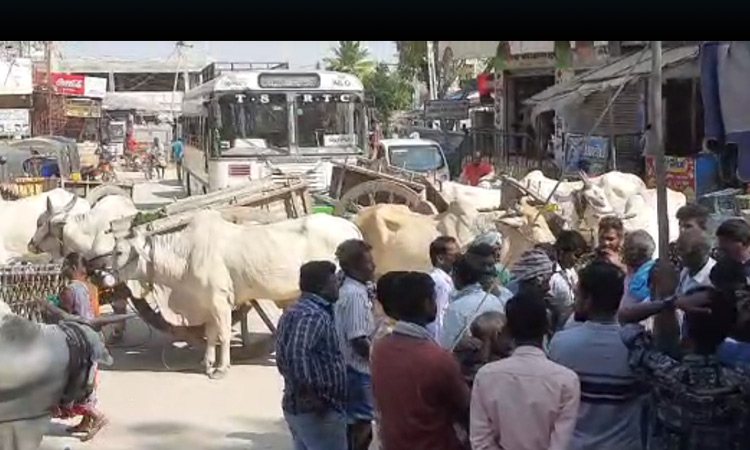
<point>257,123</point>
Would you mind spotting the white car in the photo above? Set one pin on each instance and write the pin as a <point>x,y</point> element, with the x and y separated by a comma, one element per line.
<point>417,155</point>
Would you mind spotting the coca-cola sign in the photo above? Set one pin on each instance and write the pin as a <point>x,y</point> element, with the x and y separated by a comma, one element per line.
<point>67,84</point>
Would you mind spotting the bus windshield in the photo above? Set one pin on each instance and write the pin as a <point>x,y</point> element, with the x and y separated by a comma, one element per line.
<point>253,120</point>
<point>328,120</point>
<point>417,158</point>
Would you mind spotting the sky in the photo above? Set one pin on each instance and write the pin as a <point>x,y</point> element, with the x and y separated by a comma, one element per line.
<point>300,54</point>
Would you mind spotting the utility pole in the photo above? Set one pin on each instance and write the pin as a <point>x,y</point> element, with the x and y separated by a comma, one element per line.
<point>48,62</point>
<point>431,71</point>
<point>657,148</point>
<point>180,46</point>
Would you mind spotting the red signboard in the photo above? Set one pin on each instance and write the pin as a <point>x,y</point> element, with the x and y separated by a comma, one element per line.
<point>680,174</point>
<point>67,84</point>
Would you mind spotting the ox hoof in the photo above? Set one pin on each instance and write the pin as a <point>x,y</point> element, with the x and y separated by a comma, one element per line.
<point>218,374</point>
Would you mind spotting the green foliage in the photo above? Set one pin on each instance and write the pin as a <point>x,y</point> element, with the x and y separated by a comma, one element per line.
<point>148,216</point>
<point>388,90</point>
<point>350,57</point>
<point>412,62</point>
<point>412,59</point>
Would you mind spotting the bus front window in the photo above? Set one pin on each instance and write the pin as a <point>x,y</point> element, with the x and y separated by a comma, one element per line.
<point>327,120</point>
<point>250,120</point>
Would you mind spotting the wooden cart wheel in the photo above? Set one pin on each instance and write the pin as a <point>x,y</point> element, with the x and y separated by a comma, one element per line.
<point>381,191</point>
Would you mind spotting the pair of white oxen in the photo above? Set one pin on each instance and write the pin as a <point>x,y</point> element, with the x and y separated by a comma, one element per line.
<point>214,266</point>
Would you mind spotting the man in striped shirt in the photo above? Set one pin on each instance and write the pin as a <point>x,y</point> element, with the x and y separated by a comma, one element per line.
<point>609,416</point>
<point>309,359</point>
<point>355,327</point>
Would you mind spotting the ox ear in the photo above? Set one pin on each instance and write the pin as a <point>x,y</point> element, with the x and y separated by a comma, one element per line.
<point>49,206</point>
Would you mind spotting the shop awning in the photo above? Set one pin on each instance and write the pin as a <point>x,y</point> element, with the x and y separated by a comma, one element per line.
<point>679,62</point>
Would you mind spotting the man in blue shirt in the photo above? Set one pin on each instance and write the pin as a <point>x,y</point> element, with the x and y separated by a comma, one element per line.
<point>609,416</point>
<point>309,359</point>
<point>177,157</point>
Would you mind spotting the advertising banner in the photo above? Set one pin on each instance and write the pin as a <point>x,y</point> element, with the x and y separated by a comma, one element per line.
<point>94,87</point>
<point>680,174</point>
<point>14,123</point>
<point>79,85</point>
<point>15,77</point>
<point>594,150</point>
<point>68,84</point>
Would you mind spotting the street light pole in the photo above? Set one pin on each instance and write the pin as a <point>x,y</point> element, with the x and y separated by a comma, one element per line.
<point>657,148</point>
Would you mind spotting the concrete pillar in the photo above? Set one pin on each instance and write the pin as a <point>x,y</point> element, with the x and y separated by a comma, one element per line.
<point>111,83</point>
<point>186,79</point>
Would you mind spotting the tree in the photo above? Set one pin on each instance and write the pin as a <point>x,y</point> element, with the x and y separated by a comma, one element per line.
<point>388,90</point>
<point>350,57</point>
<point>412,62</point>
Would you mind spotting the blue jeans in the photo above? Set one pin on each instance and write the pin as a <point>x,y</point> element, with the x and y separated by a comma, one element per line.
<point>314,431</point>
<point>359,401</point>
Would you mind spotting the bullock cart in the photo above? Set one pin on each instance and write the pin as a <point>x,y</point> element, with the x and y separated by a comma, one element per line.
<point>22,286</point>
<point>362,184</point>
<point>264,201</point>
<point>30,186</point>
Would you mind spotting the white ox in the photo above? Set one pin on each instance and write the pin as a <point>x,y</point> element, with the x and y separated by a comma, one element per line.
<point>61,231</point>
<point>214,266</point>
<point>401,238</point>
<point>479,197</point>
<point>641,214</point>
<point>20,219</point>
<point>611,189</point>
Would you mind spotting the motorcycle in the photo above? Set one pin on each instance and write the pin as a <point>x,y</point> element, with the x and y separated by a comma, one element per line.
<point>103,170</point>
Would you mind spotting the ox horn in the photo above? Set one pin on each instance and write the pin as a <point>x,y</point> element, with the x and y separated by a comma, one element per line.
<point>70,204</point>
<point>49,206</point>
<point>585,179</point>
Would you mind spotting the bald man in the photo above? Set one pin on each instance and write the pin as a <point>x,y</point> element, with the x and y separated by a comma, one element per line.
<point>694,249</point>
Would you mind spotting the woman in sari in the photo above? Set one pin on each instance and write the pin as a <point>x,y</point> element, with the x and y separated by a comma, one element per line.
<point>79,298</point>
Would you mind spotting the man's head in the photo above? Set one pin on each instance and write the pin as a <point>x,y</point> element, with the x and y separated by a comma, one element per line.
<point>600,288</point>
<point>443,252</point>
<point>489,328</point>
<point>527,317</point>
<point>416,299</point>
<point>467,270</point>
<point>570,246</point>
<point>694,248</point>
<point>319,277</point>
<point>533,268</point>
<point>476,157</point>
<point>611,232</point>
<point>638,248</point>
<point>729,277</point>
<point>355,259</point>
<point>492,239</point>
<point>706,330</point>
<point>734,239</point>
<point>692,215</point>
<point>388,290</point>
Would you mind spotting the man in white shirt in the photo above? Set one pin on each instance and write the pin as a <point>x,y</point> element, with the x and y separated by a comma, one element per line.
<point>694,250</point>
<point>443,253</point>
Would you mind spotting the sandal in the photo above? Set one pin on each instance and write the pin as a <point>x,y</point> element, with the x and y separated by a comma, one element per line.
<point>95,428</point>
<point>82,427</point>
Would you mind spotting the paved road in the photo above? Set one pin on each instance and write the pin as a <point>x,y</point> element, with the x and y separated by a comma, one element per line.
<point>156,400</point>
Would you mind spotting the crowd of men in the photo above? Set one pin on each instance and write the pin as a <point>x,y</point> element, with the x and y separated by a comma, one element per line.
<point>571,348</point>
